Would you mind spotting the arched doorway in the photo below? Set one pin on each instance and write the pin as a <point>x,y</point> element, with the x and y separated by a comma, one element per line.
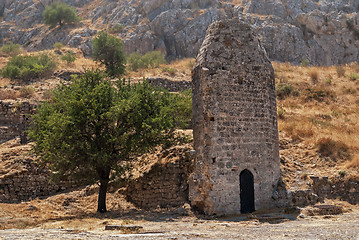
<point>247,191</point>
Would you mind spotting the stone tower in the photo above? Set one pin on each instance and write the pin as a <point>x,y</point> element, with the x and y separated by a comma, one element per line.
<point>235,123</point>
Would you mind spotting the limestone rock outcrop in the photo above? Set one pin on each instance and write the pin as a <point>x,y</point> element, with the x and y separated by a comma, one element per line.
<point>323,32</point>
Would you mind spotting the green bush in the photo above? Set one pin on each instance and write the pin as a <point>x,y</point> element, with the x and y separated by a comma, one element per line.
<point>69,57</point>
<point>28,67</point>
<point>117,28</point>
<point>284,90</point>
<point>59,13</point>
<point>353,76</point>
<point>304,63</point>
<point>108,50</point>
<point>11,49</point>
<point>169,70</point>
<point>58,45</point>
<point>151,59</point>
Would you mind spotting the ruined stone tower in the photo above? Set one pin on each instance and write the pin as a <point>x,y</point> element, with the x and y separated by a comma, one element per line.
<point>235,123</point>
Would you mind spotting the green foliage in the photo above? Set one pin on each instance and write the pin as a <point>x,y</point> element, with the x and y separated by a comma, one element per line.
<point>151,59</point>
<point>92,128</point>
<point>342,173</point>
<point>108,50</point>
<point>69,57</point>
<point>59,13</point>
<point>58,45</point>
<point>304,63</point>
<point>10,49</point>
<point>281,113</point>
<point>182,107</point>
<point>353,76</point>
<point>284,90</point>
<point>117,28</point>
<point>169,70</point>
<point>28,67</point>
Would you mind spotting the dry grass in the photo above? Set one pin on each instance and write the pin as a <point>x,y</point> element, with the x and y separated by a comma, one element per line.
<point>328,110</point>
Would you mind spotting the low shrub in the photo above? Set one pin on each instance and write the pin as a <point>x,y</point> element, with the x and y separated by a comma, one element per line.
<point>353,76</point>
<point>152,59</point>
<point>58,45</point>
<point>284,90</point>
<point>328,147</point>
<point>28,67</point>
<point>281,113</point>
<point>69,57</point>
<point>318,94</point>
<point>117,28</point>
<point>340,70</point>
<point>10,49</point>
<point>304,63</point>
<point>169,70</point>
<point>314,76</point>
<point>27,92</point>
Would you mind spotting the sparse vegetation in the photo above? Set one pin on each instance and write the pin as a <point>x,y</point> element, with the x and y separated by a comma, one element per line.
<point>318,94</point>
<point>58,45</point>
<point>117,28</point>
<point>304,63</point>
<point>28,67</point>
<point>169,70</point>
<point>59,13</point>
<point>334,149</point>
<point>69,57</point>
<point>27,91</point>
<point>151,59</point>
<point>11,49</point>
<point>340,71</point>
<point>284,90</point>
<point>353,76</point>
<point>108,50</point>
<point>314,76</point>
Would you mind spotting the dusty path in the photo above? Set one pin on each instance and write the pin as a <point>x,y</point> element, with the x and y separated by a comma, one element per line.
<point>345,226</point>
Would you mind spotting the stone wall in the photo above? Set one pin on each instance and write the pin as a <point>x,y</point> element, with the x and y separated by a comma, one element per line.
<point>29,183</point>
<point>171,86</point>
<point>14,118</point>
<point>165,184</point>
<point>234,122</point>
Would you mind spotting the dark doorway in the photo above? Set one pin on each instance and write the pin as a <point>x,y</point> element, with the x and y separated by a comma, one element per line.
<point>247,191</point>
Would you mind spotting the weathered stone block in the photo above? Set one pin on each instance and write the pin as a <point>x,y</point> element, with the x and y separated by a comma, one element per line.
<point>234,123</point>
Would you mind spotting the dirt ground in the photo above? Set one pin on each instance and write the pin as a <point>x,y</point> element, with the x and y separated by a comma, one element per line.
<point>161,225</point>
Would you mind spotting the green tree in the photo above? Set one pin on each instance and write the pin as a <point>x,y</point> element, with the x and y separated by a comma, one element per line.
<point>108,50</point>
<point>92,129</point>
<point>59,13</point>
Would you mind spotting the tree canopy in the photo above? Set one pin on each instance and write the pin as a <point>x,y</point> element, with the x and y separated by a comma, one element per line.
<point>91,129</point>
<point>108,50</point>
<point>59,13</point>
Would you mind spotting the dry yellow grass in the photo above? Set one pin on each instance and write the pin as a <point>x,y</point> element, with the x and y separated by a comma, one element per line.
<point>326,107</point>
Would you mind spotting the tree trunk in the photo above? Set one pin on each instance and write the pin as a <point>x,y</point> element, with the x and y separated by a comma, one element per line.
<point>104,176</point>
<point>101,207</point>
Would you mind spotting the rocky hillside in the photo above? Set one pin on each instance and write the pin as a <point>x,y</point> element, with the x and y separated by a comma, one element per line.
<point>324,32</point>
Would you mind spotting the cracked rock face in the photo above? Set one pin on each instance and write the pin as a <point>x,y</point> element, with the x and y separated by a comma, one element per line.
<point>234,123</point>
<point>324,32</point>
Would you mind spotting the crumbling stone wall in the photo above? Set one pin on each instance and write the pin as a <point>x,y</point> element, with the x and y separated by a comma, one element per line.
<point>14,118</point>
<point>171,86</point>
<point>165,184</point>
<point>234,120</point>
<point>29,183</point>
